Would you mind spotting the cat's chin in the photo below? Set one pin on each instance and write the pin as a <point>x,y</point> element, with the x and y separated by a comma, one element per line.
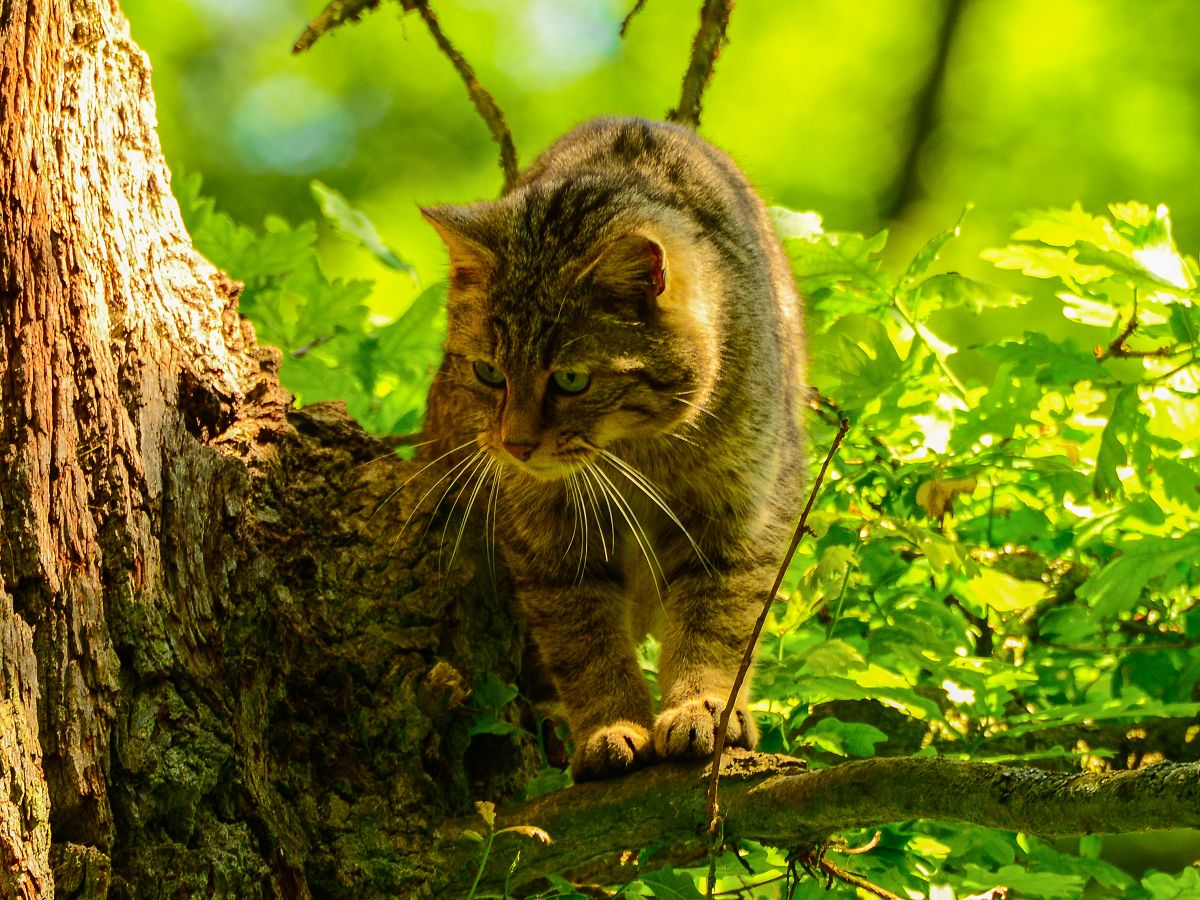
<point>548,471</point>
<point>553,469</point>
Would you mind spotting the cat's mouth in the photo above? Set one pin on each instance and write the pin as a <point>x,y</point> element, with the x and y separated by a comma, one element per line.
<point>548,466</point>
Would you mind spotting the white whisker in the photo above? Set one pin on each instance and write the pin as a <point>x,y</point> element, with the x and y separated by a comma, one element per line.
<point>596,510</point>
<point>462,526</point>
<point>458,466</point>
<point>472,466</point>
<point>490,511</point>
<point>648,488</point>
<point>414,475</point>
<point>680,437</point>
<point>581,509</point>
<point>698,408</point>
<point>604,483</point>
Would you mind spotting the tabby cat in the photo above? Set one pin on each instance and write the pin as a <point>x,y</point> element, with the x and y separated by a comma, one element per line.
<point>621,392</point>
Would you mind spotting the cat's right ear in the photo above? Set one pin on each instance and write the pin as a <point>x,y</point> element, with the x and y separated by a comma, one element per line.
<point>471,263</point>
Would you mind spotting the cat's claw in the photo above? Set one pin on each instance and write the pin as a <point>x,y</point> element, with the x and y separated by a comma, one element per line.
<point>612,750</point>
<point>689,729</point>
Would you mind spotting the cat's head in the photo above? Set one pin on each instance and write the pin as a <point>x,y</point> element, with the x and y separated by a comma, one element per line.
<point>576,319</point>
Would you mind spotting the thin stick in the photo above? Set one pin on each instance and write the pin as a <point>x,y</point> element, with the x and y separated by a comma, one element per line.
<point>637,8</point>
<point>706,47</point>
<point>484,102</point>
<point>748,656</point>
<point>335,13</point>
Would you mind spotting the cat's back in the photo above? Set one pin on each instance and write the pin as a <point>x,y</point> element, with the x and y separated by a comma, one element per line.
<point>664,163</point>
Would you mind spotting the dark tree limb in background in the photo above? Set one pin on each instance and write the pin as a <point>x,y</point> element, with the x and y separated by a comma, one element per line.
<point>906,186</point>
<point>706,47</point>
<point>773,799</point>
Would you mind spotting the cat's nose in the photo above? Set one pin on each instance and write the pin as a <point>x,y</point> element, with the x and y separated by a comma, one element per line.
<point>520,451</point>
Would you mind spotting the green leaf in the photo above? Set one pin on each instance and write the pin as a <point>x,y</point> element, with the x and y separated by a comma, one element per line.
<point>1053,362</point>
<point>418,334</point>
<point>490,692</point>
<point>1088,311</point>
<point>951,290</point>
<point>353,224</point>
<point>668,884</point>
<point>845,738</point>
<point>1118,586</point>
<point>1117,434</point>
<point>1001,592</point>
<point>844,261</point>
<point>857,354</point>
<point>927,255</point>
<point>545,782</point>
<point>1046,262</point>
<point>1043,885</point>
<point>1067,227</point>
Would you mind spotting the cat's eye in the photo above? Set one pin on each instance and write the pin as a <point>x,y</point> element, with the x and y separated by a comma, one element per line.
<point>571,382</point>
<point>488,374</point>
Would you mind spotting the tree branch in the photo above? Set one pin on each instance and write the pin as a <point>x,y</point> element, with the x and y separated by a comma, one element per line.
<point>338,12</point>
<point>483,101</point>
<point>706,47</point>
<point>775,800</point>
<point>637,8</point>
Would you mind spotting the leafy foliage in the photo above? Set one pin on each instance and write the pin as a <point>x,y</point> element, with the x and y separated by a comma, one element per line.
<point>332,350</point>
<point>1007,546</point>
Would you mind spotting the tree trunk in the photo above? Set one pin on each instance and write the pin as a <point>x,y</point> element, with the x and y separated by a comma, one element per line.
<point>220,675</point>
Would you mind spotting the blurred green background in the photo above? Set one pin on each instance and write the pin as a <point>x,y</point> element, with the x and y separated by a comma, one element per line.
<point>835,106</point>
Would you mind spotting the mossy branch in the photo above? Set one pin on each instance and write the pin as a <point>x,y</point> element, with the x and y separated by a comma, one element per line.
<point>774,799</point>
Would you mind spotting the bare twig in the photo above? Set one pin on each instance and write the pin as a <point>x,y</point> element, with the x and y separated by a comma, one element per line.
<point>484,102</point>
<point>1118,348</point>
<point>706,47</point>
<point>637,8</point>
<point>335,13</point>
<point>815,860</point>
<point>748,657</point>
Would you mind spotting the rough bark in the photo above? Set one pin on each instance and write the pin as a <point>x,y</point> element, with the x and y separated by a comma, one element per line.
<point>221,678</point>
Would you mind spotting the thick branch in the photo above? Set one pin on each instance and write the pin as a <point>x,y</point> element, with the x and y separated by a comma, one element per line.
<point>774,800</point>
<point>706,47</point>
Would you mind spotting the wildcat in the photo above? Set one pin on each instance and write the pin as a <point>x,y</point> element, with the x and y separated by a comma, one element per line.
<point>622,383</point>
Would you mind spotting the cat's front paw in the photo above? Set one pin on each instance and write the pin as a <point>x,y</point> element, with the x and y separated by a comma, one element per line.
<point>689,729</point>
<point>612,750</point>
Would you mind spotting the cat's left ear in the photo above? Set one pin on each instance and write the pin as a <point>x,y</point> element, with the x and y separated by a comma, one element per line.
<point>632,267</point>
<point>471,262</point>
